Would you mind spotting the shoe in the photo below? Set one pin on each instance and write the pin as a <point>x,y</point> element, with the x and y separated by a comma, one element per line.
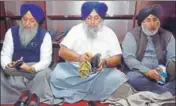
<point>23,98</point>
<point>33,101</point>
<point>91,103</point>
<point>95,62</point>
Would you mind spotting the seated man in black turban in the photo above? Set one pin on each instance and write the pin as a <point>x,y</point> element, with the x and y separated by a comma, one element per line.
<point>149,53</point>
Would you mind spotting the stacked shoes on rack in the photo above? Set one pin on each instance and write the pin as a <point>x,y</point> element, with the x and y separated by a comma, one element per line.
<point>28,99</point>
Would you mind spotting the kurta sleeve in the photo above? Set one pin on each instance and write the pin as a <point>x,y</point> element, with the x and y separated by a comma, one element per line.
<point>170,50</point>
<point>129,54</point>
<point>7,49</point>
<point>70,39</point>
<point>115,45</point>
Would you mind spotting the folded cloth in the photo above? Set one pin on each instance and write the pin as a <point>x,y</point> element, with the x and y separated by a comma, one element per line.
<point>86,68</point>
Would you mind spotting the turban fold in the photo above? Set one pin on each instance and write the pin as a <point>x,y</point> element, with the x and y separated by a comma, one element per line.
<point>155,10</point>
<point>36,11</point>
<point>87,8</point>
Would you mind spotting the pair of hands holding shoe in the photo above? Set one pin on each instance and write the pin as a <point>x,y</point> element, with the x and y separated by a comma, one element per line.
<point>14,66</point>
<point>88,57</point>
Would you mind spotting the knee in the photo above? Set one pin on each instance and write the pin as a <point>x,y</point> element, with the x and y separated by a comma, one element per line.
<point>43,73</point>
<point>54,76</point>
<point>134,77</point>
<point>171,67</point>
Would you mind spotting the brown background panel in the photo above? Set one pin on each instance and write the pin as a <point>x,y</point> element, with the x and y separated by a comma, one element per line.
<point>2,22</point>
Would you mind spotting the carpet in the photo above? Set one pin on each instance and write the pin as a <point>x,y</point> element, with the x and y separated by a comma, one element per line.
<point>81,103</point>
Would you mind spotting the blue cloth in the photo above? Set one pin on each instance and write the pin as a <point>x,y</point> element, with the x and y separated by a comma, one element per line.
<point>87,7</point>
<point>155,10</point>
<point>66,83</point>
<point>142,83</point>
<point>36,11</point>
<point>30,53</point>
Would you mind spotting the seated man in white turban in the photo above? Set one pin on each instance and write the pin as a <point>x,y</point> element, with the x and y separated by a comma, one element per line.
<point>33,45</point>
<point>81,44</point>
<point>149,53</point>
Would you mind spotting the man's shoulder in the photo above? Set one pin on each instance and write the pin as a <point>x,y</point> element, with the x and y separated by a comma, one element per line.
<point>164,31</point>
<point>77,27</point>
<point>42,29</point>
<point>136,29</point>
<point>106,28</point>
<point>14,27</point>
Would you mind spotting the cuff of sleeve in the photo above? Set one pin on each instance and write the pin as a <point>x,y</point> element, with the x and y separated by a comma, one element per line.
<point>144,69</point>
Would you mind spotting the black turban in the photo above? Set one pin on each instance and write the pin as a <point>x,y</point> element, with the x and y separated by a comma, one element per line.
<point>155,10</point>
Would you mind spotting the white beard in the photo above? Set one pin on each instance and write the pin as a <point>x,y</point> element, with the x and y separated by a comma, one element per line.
<point>148,32</point>
<point>26,35</point>
<point>92,32</point>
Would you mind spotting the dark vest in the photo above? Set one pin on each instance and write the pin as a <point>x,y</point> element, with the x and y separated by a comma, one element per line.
<point>160,41</point>
<point>30,53</point>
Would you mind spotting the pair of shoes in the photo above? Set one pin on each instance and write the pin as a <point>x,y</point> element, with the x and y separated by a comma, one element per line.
<point>33,101</point>
<point>27,99</point>
<point>23,98</point>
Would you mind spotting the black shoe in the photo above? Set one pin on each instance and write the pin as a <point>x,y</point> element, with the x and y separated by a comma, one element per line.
<point>33,101</point>
<point>23,98</point>
<point>91,103</point>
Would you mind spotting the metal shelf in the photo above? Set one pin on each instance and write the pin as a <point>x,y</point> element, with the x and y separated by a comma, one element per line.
<point>71,17</point>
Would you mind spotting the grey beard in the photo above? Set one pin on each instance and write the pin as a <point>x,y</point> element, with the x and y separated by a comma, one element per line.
<point>26,35</point>
<point>147,32</point>
<point>92,32</point>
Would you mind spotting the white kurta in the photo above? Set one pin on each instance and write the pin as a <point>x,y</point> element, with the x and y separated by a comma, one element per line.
<point>45,51</point>
<point>65,81</point>
<point>11,86</point>
<point>106,42</point>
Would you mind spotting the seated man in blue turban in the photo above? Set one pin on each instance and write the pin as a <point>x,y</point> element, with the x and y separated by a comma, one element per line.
<point>149,53</point>
<point>33,45</point>
<point>87,40</point>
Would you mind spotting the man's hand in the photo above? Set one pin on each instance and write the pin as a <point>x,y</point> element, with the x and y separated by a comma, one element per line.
<point>11,64</point>
<point>101,65</point>
<point>152,73</point>
<point>85,57</point>
<point>26,67</point>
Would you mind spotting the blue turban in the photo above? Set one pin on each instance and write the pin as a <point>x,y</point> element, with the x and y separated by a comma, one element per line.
<point>155,10</point>
<point>87,8</point>
<point>36,11</point>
